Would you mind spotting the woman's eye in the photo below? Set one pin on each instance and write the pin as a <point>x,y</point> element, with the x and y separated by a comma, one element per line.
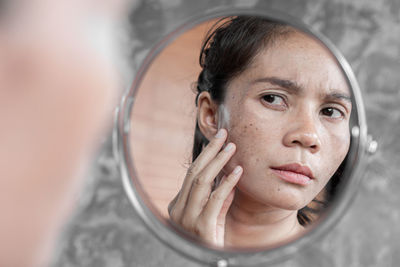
<point>332,113</point>
<point>274,99</point>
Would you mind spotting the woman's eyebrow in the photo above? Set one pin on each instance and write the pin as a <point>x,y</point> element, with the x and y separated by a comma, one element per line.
<point>337,95</point>
<point>284,83</point>
<point>295,88</point>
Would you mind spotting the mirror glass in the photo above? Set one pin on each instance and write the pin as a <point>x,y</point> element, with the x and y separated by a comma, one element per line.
<point>282,98</point>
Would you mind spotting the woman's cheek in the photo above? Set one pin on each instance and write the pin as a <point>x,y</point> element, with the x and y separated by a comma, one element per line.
<point>340,147</point>
<point>244,153</point>
<point>235,137</point>
<point>335,154</point>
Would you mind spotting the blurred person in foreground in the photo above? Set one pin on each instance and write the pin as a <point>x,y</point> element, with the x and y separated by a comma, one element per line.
<point>58,86</point>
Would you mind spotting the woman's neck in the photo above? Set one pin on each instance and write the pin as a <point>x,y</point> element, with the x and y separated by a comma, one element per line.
<point>253,224</point>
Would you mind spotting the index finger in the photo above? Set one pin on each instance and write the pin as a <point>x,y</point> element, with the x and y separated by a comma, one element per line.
<point>208,154</point>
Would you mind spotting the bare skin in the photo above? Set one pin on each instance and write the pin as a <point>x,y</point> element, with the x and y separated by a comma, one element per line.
<point>290,106</point>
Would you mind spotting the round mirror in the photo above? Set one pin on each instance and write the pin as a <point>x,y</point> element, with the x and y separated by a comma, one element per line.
<point>242,137</point>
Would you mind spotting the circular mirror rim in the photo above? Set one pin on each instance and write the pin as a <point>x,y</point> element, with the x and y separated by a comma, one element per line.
<point>182,242</point>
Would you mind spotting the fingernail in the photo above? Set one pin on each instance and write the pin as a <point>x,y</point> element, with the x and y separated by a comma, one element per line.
<point>220,133</point>
<point>237,170</point>
<point>229,147</point>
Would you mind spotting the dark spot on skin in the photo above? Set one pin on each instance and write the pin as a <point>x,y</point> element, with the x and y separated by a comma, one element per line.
<point>256,129</point>
<point>279,189</point>
<point>251,124</point>
<point>257,159</point>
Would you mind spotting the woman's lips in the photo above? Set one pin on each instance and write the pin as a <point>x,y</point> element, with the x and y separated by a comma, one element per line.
<point>294,173</point>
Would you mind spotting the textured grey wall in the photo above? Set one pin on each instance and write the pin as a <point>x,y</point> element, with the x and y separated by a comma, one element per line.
<point>105,231</point>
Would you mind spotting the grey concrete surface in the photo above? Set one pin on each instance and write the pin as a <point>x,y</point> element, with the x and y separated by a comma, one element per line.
<point>105,231</point>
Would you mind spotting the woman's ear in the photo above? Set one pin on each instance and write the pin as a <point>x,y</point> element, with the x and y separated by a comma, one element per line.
<point>207,115</point>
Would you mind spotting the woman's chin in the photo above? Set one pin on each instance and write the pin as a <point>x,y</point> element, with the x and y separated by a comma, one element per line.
<point>286,198</point>
<point>286,201</point>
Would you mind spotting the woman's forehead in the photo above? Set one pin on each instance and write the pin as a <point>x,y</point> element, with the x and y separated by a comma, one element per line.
<point>295,61</point>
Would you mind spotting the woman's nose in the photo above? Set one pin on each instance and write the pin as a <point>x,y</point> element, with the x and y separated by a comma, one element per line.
<point>303,133</point>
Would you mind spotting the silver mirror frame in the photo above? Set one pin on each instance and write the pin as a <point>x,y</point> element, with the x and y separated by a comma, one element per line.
<point>362,144</point>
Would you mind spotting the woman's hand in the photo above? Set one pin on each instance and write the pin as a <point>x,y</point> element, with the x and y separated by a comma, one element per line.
<point>196,207</point>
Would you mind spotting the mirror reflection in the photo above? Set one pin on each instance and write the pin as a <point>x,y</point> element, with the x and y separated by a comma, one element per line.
<point>240,130</point>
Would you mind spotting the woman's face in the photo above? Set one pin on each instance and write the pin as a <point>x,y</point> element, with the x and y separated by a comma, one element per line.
<point>288,113</point>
